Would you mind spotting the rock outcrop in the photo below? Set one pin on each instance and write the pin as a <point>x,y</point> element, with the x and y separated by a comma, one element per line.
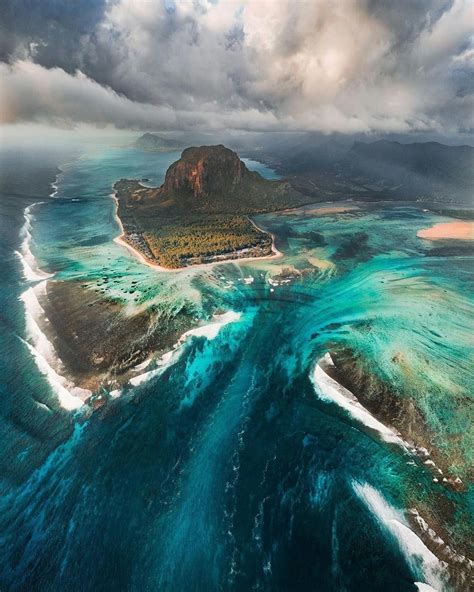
<point>208,171</point>
<point>214,179</point>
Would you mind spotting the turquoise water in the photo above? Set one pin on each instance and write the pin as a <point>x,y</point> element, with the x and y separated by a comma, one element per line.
<point>261,168</point>
<point>230,470</point>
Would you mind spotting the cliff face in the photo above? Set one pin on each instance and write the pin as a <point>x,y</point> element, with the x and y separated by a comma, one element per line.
<point>207,171</point>
<point>212,180</point>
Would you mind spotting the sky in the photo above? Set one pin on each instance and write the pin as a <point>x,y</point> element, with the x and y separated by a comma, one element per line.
<point>345,66</point>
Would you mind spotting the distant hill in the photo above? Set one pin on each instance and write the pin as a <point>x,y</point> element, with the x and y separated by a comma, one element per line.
<point>446,164</point>
<point>333,168</point>
<point>426,170</point>
<point>155,143</point>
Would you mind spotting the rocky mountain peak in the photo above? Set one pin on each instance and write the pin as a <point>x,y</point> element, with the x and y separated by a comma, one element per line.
<point>205,171</point>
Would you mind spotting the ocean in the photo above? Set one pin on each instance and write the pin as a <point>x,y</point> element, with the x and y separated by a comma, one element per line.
<point>240,460</point>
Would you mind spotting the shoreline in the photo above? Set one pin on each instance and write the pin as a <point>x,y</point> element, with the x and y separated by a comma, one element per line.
<point>325,377</point>
<point>70,395</point>
<point>39,337</point>
<point>400,415</point>
<point>98,344</point>
<point>121,240</point>
<point>85,390</point>
<point>337,384</point>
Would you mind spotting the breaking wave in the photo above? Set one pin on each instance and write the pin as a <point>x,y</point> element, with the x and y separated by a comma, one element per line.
<point>42,350</point>
<point>209,331</point>
<point>330,390</point>
<point>422,561</point>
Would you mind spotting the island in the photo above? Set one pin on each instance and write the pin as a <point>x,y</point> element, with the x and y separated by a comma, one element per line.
<point>202,212</point>
<point>154,143</point>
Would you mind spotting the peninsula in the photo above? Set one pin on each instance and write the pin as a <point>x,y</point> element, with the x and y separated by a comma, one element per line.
<point>201,213</point>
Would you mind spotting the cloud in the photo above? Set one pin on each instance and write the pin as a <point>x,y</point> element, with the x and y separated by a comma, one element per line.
<point>33,93</point>
<point>326,65</point>
<point>52,30</point>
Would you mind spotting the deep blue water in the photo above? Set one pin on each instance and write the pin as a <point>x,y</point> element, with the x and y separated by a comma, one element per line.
<point>228,470</point>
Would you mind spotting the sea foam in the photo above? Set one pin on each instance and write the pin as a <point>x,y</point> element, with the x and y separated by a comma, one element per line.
<point>66,399</point>
<point>422,587</point>
<point>42,350</point>
<point>330,390</point>
<point>209,331</point>
<point>31,270</point>
<point>411,546</point>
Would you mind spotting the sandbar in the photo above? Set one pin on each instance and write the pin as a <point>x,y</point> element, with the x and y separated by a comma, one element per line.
<point>458,230</point>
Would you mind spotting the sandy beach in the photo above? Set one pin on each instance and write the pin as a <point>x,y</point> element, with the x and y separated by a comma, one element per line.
<point>458,230</point>
<point>121,240</point>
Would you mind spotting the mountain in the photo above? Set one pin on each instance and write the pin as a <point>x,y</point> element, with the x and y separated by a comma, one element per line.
<point>214,179</point>
<point>154,143</point>
<point>335,168</point>
<point>208,171</point>
<point>425,170</point>
<point>201,212</point>
<point>429,159</point>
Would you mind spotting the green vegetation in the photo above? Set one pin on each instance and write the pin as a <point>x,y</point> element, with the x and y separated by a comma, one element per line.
<point>173,235</point>
<point>206,238</point>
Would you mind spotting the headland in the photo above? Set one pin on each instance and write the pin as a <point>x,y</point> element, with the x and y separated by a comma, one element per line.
<point>201,213</point>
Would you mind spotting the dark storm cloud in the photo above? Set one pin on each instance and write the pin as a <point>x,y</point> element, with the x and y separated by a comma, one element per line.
<point>328,65</point>
<point>52,31</point>
<point>408,17</point>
